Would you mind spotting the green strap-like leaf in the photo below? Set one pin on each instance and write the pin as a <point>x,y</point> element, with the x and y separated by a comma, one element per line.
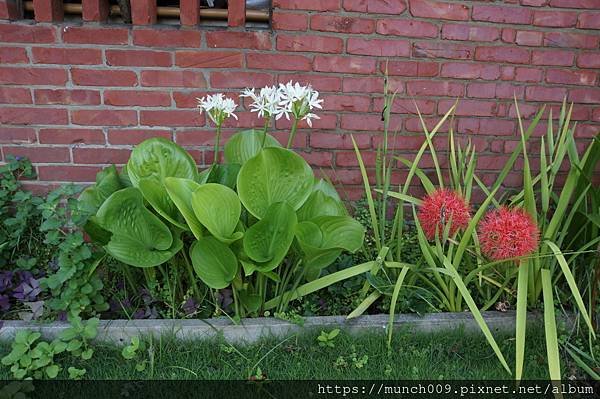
<point>550,327</point>
<point>521,322</point>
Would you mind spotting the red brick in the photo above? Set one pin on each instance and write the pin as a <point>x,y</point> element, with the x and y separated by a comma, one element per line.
<point>360,65</point>
<point>363,85</point>
<point>410,68</point>
<point>33,76</point>
<point>103,117</point>
<point>470,71</point>
<point>311,5</point>
<point>568,39</point>
<point>545,93</point>
<point>348,158</point>
<point>15,95</point>
<point>318,82</point>
<point>346,103</point>
<point>552,57</point>
<point>469,107</point>
<point>208,59</point>
<point>528,74</point>
<point>100,155</point>
<point>486,127</point>
<point>289,21</point>
<point>48,10</point>
<point>240,80</point>
<point>509,35</point>
<point>167,38</point>
<point>589,20</point>
<point>33,116</point>
<point>493,90</point>
<point>317,44</point>
<point>375,6</point>
<point>439,10</point>
<point>89,35</point>
<point>588,60</point>
<point>171,118</point>
<point>278,62</point>
<point>137,97</point>
<point>245,40</point>
<point>407,106</point>
<point>529,38</point>
<point>406,27</point>
<point>534,3</point>
<point>138,58</point>
<point>68,173</point>
<point>327,121</point>
<point>98,77</point>
<point>503,15</point>
<point>67,56</point>
<point>135,136</point>
<point>143,12</point>
<point>172,78</point>
<point>17,135</point>
<point>575,3</point>
<point>95,10</point>
<point>9,10</point>
<point>367,122</point>
<point>570,77</point>
<point>67,96</point>
<point>555,19</point>
<point>442,50</point>
<point>71,136</point>
<point>586,96</point>
<point>13,55</point>
<point>40,154</point>
<point>338,141</point>
<point>378,47</point>
<point>189,99</point>
<point>332,23</point>
<point>471,33</point>
<point>21,33</point>
<point>502,54</point>
<point>431,88</point>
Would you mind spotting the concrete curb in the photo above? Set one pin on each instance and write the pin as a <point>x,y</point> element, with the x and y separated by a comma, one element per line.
<point>251,330</point>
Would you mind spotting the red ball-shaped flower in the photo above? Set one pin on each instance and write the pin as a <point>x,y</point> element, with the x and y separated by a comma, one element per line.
<point>441,207</point>
<point>508,233</point>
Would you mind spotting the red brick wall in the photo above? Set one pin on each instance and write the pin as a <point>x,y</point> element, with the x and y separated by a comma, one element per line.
<point>77,97</point>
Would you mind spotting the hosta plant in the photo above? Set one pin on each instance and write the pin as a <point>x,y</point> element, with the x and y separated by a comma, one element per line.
<point>259,223</point>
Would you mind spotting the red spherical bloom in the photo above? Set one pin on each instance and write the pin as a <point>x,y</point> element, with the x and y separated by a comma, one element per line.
<point>441,207</point>
<point>508,233</point>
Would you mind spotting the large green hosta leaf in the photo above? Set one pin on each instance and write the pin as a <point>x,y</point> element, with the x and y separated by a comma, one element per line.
<point>150,163</point>
<point>214,262</point>
<point>180,191</point>
<point>107,182</point>
<point>139,238</point>
<point>246,144</point>
<point>322,239</point>
<point>323,201</point>
<point>274,175</point>
<point>225,174</point>
<point>218,208</point>
<point>268,240</point>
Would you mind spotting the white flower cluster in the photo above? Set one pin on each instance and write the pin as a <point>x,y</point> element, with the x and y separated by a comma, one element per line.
<point>284,100</point>
<point>217,107</point>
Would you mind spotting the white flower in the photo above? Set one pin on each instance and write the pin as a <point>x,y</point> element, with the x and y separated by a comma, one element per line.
<point>308,118</point>
<point>299,100</point>
<point>217,107</point>
<point>266,102</point>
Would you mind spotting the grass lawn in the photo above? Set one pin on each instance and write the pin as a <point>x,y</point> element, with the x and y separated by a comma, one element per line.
<point>448,355</point>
